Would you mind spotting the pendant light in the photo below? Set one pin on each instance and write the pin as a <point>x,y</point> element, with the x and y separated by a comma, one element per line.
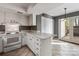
<point>65,13</point>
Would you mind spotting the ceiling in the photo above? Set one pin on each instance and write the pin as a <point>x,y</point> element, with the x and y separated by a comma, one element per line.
<point>53,9</point>
<point>21,5</point>
<point>71,7</point>
<point>44,7</point>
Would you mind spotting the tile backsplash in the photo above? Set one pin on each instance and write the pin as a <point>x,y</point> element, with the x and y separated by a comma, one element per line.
<point>2,27</point>
<point>28,28</point>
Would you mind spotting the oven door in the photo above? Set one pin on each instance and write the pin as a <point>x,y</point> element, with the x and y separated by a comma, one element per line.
<point>12,39</point>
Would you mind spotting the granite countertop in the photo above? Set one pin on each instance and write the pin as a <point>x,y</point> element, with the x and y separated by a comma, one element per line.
<point>38,34</point>
<point>33,32</point>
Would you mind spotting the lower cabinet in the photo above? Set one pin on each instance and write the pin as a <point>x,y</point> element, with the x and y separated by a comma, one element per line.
<point>40,47</point>
<point>34,44</point>
<point>24,39</point>
<point>30,42</point>
<point>1,44</point>
<point>37,46</point>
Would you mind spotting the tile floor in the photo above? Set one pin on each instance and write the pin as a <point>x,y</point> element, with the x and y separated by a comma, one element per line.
<point>61,48</point>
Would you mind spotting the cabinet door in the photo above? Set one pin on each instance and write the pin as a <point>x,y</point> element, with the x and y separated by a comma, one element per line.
<point>23,37</point>
<point>32,19</point>
<point>2,16</point>
<point>22,19</point>
<point>0,44</point>
<point>23,40</point>
<point>8,15</point>
<point>37,46</point>
<point>27,40</point>
<point>30,42</point>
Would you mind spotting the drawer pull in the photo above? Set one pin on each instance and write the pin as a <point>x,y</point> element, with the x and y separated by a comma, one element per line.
<point>37,43</point>
<point>37,48</point>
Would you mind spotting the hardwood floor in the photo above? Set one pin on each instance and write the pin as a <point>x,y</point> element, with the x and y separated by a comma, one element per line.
<point>24,51</point>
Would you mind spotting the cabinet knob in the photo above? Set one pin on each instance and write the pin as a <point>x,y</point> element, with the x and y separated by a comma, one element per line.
<point>37,43</point>
<point>37,39</point>
<point>37,48</point>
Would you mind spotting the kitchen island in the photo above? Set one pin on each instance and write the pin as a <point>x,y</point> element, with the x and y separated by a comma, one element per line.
<point>39,43</point>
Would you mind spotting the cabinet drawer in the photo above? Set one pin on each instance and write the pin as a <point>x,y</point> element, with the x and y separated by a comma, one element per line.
<point>37,48</point>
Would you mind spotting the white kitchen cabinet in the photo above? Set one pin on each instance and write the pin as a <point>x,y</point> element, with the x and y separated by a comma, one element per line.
<point>40,44</point>
<point>22,19</point>
<point>32,19</point>
<point>10,15</point>
<point>40,47</point>
<point>24,38</point>
<point>1,16</point>
<point>43,47</point>
<point>1,44</point>
<point>37,46</point>
<point>30,42</point>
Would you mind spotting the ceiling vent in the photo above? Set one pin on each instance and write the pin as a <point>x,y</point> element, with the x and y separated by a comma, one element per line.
<point>19,12</point>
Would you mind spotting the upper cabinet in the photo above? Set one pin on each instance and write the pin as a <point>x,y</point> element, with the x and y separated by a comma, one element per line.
<point>32,20</point>
<point>9,15</point>
<point>1,15</point>
<point>22,19</point>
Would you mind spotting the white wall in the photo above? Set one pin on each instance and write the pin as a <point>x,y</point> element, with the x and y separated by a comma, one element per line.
<point>6,15</point>
<point>46,25</point>
<point>61,28</point>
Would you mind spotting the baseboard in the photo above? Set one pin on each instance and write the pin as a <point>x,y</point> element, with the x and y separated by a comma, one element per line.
<point>69,42</point>
<point>30,49</point>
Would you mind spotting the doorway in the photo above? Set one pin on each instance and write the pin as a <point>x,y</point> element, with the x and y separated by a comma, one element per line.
<point>69,29</point>
<point>63,28</point>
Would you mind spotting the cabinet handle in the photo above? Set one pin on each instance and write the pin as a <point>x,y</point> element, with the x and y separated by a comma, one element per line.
<point>37,43</point>
<point>37,48</point>
<point>37,39</point>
